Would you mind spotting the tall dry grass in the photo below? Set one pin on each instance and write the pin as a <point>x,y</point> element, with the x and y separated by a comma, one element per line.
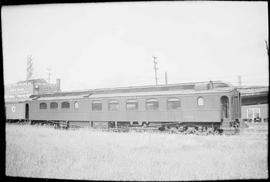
<point>33,151</point>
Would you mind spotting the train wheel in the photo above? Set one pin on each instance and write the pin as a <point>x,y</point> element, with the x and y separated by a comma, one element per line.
<point>162,128</point>
<point>173,130</point>
<point>56,126</point>
<point>181,129</point>
<point>216,132</point>
<point>144,125</point>
<point>209,131</point>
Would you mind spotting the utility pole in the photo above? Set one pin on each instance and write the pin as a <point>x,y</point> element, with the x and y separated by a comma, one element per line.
<point>239,80</point>
<point>29,68</point>
<point>155,68</point>
<point>166,80</point>
<point>49,74</point>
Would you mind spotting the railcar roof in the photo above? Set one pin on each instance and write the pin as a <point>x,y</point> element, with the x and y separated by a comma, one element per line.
<point>176,86</point>
<point>134,94</point>
<point>134,89</point>
<point>64,94</point>
<point>59,98</point>
<point>157,93</point>
<point>63,97</point>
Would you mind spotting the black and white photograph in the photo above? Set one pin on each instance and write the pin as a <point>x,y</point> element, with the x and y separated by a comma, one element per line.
<point>136,91</point>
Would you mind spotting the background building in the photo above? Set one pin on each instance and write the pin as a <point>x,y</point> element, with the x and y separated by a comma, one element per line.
<point>254,103</point>
<point>23,89</point>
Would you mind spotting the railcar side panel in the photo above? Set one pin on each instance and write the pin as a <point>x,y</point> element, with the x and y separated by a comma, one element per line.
<point>15,111</point>
<point>189,110</point>
<point>81,113</point>
<point>207,109</point>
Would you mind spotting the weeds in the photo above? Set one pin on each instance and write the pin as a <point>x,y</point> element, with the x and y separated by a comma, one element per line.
<point>34,151</point>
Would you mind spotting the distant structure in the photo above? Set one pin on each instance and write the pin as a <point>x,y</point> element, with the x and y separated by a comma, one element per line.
<point>239,81</point>
<point>166,79</point>
<point>49,74</point>
<point>29,68</point>
<point>254,103</point>
<point>155,68</point>
<point>23,89</point>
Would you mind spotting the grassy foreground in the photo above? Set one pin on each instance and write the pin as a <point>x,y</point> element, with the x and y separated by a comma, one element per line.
<point>33,151</point>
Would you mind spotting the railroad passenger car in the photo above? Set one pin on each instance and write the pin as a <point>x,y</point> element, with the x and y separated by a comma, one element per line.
<point>204,105</point>
<point>16,111</point>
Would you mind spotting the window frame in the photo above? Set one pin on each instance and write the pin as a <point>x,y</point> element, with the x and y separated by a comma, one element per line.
<point>76,105</point>
<point>253,112</point>
<point>53,107</point>
<point>65,107</point>
<point>198,101</point>
<point>132,101</point>
<point>96,102</point>
<point>111,102</point>
<point>43,103</point>
<point>170,100</point>
<point>147,101</point>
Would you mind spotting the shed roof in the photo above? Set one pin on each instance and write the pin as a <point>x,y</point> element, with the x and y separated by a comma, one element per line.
<point>253,91</point>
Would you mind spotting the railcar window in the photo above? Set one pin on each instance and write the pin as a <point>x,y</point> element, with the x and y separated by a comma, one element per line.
<point>173,103</point>
<point>113,105</point>
<point>132,105</point>
<point>43,106</point>
<point>65,105</point>
<point>96,105</point>
<point>53,105</point>
<point>76,105</point>
<point>200,101</point>
<point>152,104</point>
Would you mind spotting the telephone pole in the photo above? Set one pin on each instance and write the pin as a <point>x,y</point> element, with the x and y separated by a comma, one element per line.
<point>166,79</point>
<point>29,68</point>
<point>239,80</point>
<point>49,74</point>
<point>155,68</point>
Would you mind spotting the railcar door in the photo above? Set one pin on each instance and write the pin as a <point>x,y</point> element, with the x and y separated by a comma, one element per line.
<point>224,108</point>
<point>26,111</point>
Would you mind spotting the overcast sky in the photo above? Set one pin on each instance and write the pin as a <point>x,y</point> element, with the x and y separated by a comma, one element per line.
<point>101,45</point>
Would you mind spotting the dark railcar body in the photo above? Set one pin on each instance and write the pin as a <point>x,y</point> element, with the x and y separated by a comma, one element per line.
<point>15,111</point>
<point>217,105</point>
